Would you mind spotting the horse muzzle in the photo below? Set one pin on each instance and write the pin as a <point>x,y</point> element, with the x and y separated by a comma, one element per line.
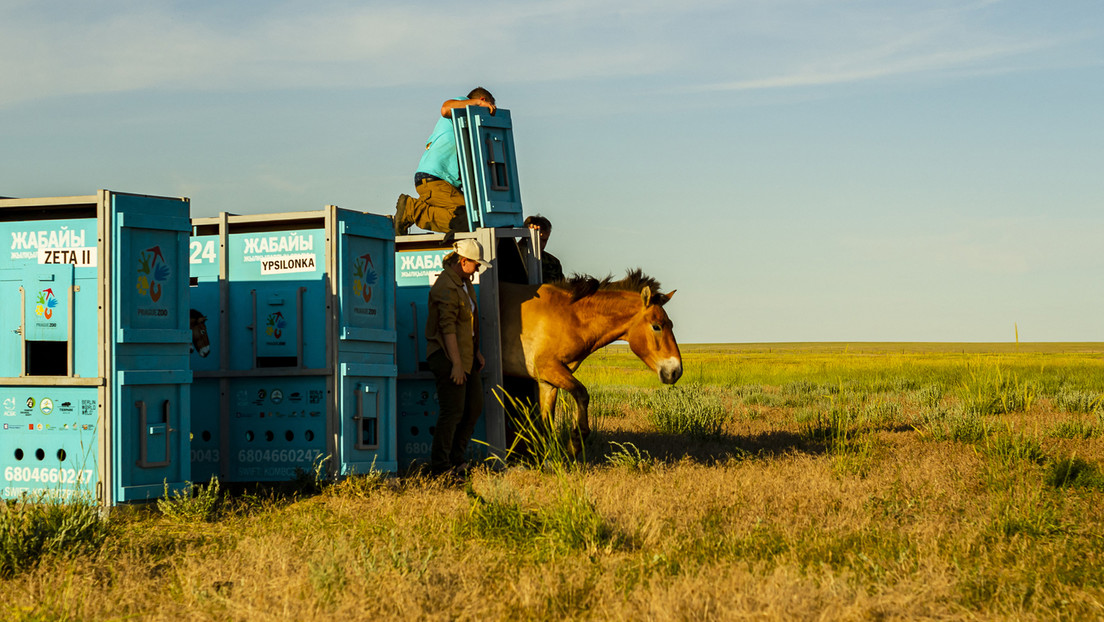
<point>670,370</point>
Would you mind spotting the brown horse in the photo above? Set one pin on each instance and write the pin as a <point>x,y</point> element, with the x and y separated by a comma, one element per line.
<point>548,330</point>
<point>200,341</point>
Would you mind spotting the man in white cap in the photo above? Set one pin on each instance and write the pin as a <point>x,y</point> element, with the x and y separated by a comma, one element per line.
<point>452,335</point>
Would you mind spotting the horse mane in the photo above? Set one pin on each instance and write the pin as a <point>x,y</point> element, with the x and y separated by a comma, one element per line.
<point>583,285</point>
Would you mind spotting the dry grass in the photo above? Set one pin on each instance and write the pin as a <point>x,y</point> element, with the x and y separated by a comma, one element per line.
<point>842,485</point>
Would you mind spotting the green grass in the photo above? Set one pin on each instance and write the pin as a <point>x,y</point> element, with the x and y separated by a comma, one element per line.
<point>793,481</point>
<point>692,410</point>
<point>32,529</point>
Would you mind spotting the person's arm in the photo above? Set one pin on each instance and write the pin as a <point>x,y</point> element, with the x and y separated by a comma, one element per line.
<point>448,314</point>
<point>452,349</point>
<point>446,108</point>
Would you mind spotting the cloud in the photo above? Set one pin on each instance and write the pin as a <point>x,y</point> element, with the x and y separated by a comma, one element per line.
<point>54,49</point>
<point>861,41</point>
<point>848,71</point>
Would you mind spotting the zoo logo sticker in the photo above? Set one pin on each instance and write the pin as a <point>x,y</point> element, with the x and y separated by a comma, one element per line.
<point>153,271</point>
<point>46,405</point>
<point>45,303</point>
<point>364,276</point>
<point>275,325</point>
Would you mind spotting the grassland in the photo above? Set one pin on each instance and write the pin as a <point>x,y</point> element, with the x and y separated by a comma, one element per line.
<point>780,481</point>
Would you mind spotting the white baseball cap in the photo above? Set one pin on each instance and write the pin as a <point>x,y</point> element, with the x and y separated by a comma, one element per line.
<point>473,250</point>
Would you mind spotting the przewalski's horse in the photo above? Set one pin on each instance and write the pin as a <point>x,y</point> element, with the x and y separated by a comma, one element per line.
<point>200,341</point>
<point>548,330</point>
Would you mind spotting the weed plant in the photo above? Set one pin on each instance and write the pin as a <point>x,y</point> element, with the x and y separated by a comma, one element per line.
<point>692,411</point>
<point>993,391</point>
<point>839,429</point>
<point>33,528</point>
<point>630,457</point>
<point>615,402</point>
<point>1075,429</point>
<point>1074,472</point>
<point>958,426</point>
<point>804,392</point>
<point>1078,401</point>
<point>1009,447</point>
<point>538,442</point>
<point>929,396</point>
<point>203,504</point>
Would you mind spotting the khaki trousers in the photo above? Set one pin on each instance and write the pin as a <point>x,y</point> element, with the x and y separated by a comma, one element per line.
<point>439,207</point>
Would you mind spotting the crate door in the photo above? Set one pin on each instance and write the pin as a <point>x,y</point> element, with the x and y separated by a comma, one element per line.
<point>367,426</point>
<point>150,376</point>
<point>488,167</point>
<point>365,274</point>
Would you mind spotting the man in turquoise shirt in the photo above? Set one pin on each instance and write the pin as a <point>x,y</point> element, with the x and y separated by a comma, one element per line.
<point>440,203</point>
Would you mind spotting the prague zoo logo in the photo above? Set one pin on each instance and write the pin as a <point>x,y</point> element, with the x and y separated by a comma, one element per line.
<point>364,277</point>
<point>45,303</point>
<point>275,325</point>
<point>153,271</point>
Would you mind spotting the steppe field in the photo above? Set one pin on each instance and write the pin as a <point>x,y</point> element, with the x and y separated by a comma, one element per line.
<point>774,481</point>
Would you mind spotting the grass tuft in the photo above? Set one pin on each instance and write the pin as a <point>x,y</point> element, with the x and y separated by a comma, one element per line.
<point>570,522</point>
<point>32,529</point>
<point>205,505</point>
<point>1074,472</point>
<point>628,456</point>
<point>537,442</point>
<point>992,391</point>
<point>691,410</point>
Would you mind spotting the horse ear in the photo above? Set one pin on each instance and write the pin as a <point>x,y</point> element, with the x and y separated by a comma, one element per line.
<point>646,295</point>
<point>661,299</point>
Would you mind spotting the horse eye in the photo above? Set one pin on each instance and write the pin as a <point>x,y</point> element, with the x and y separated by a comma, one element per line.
<point>655,327</point>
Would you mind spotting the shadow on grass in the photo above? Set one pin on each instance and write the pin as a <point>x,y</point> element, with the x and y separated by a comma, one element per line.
<point>707,450</point>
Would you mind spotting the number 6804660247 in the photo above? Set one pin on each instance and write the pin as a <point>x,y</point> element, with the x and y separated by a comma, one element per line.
<point>47,475</point>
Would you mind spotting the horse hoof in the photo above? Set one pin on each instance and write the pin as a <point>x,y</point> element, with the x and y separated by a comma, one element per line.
<point>576,448</point>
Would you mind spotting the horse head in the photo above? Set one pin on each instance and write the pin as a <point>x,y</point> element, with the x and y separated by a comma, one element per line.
<point>200,341</point>
<point>651,337</point>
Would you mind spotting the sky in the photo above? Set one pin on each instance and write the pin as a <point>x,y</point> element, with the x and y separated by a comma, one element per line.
<point>798,170</point>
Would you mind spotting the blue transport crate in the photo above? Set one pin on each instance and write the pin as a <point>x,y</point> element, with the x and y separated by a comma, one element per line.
<point>488,167</point>
<point>293,345</point>
<point>94,375</point>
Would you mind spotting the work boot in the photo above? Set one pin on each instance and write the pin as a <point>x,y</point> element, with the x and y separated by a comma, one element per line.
<point>402,214</point>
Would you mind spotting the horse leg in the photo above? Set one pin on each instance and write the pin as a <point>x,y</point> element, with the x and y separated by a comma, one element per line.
<point>547,401</point>
<point>547,418</point>
<point>581,431</point>
<point>558,376</point>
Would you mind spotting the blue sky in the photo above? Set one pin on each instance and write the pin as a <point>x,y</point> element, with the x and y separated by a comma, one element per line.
<point>798,170</point>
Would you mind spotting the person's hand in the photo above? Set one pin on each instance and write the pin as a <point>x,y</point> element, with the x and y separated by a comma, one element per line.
<point>457,374</point>
<point>487,104</point>
<point>479,359</point>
